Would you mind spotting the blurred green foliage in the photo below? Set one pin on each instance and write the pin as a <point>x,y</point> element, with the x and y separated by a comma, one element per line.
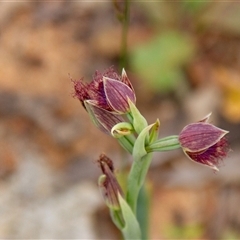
<point>160,61</point>
<point>230,235</point>
<point>194,6</point>
<point>194,231</point>
<point>183,232</point>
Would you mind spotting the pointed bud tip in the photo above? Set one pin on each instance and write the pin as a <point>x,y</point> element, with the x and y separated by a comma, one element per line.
<point>215,169</point>
<point>206,118</point>
<point>124,73</point>
<point>157,123</point>
<point>225,131</point>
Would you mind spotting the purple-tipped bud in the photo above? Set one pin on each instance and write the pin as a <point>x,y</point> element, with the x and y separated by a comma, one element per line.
<point>108,183</point>
<point>117,94</point>
<point>204,143</point>
<point>108,92</point>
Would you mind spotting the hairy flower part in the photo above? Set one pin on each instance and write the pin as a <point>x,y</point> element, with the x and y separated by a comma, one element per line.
<point>204,143</point>
<point>108,183</point>
<point>106,97</point>
<point>109,91</point>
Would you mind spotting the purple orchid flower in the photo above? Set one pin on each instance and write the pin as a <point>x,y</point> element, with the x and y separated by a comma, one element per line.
<point>106,97</point>
<point>204,143</point>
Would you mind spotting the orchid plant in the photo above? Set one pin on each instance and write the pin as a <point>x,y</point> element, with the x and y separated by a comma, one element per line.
<point>110,101</point>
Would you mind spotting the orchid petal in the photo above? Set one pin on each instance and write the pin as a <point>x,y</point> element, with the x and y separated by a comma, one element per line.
<point>103,119</point>
<point>117,94</point>
<point>200,136</point>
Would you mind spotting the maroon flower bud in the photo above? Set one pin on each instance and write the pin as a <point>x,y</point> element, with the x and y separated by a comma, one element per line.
<point>106,97</point>
<point>204,143</point>
<point>108,183</point>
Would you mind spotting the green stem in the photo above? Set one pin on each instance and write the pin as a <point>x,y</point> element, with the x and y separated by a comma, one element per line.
<point>125,24</point>
<point>127,142</point>
<point>130,117</point>
<point>164,144</point>
<point>143,205</point>
<point>136,179</point>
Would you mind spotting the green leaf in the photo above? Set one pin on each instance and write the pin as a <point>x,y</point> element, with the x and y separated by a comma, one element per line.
<point>131,229</point>
<point>139,146</point>
<point>138,121</point>
<point>116,216</point>
<point>154,132</point>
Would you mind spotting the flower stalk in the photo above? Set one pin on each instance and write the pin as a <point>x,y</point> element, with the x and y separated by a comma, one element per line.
<point>111,103</point>
<point>123,16</point>
<point>164,144</point>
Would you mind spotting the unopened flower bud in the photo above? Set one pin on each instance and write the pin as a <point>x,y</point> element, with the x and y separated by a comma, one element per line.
<point>108,183</point>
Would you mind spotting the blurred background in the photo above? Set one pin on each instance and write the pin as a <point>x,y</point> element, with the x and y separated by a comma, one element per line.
<point>183,61</point>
